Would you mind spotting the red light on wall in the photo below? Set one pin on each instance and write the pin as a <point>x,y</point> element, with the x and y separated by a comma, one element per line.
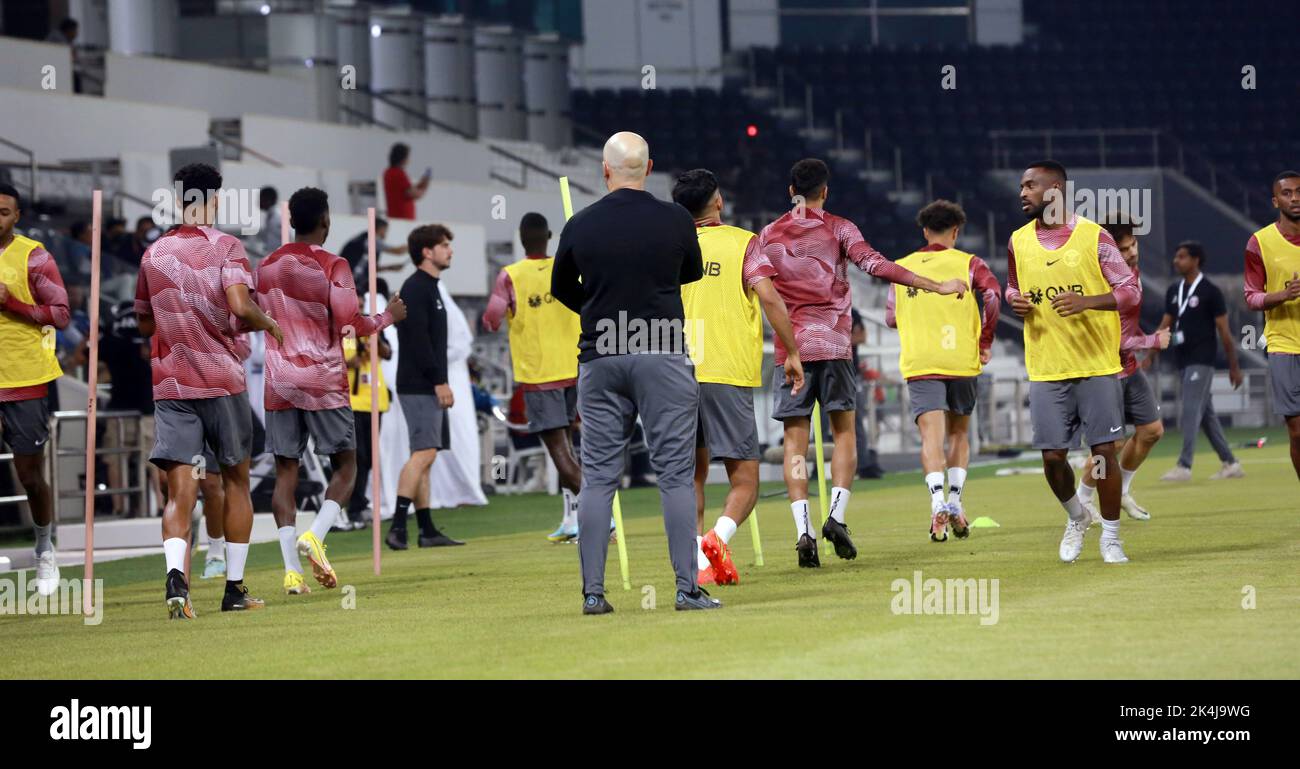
<point>751,130</point>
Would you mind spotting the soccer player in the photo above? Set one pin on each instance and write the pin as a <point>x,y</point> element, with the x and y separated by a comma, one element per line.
<point>724,322</point>
<point>1272,287</point>
<point>309,292</point>
<point>810,249</point>
<point>544,354</point>
<point>194,286</point>
<point>422,387</point>
<point>1068,281</point>
<point>944,347</point>
<point>1141,406</point>
<point>35,303</point>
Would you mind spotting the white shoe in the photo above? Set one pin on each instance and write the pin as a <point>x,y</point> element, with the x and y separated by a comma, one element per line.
<point>1177,473</point>
<point>47,573</point>
<point>1112,551</point>
<point>1072,541</point>
<point>1134,510</point>
<point>1229,470</point>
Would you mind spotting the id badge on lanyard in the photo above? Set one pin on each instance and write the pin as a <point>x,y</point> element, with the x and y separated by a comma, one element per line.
<point>1178,336</point>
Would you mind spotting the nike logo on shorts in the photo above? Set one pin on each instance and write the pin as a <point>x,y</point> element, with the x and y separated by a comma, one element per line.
<point>1116,429</point>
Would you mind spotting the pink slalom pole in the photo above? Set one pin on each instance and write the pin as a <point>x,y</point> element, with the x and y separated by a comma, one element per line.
<point>96,223</point>
<point>376,490</point>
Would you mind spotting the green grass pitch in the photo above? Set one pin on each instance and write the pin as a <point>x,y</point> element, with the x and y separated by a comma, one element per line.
<point>508,604</point>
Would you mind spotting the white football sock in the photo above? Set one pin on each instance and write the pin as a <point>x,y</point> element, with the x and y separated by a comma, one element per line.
<point>217,547</point>
<point>174,549</point>
<point>1109,530</point>
<point>1074,509</point>
<point>570,508</point>
<point>1128,479</point>
<point>934,482</point>
<point>288,549</point>
<point>726,528</point>
<point>802,525</point>
<point>1084,493</point>
<point>956,482</point>
<point>43,541</point>
<point>236,557</point>
<point>839,502</point>
<point>701,562</point>
<point>329,513</point>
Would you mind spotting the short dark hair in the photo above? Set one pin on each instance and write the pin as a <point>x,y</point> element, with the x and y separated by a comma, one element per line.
<point>425,236</point>
<point>694,190</point>
<point>534,231</point>
<point>380,222</point>
<point>267,197</point>
<point>198,176</point>
<point>78,228</point>
<point>144,220</point>
<point>1284,175</point>
<point>398,153</point>
<point>1194,250</point>
<point>67,24</point>
<point>11,191</point>
<point>1052,166</point>
<point>941,216</point>
<point>1120,226</point>
<point>809,176</point>
<point>307,208</point>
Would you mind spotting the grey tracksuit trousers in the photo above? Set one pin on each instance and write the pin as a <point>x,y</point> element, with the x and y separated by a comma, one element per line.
<point>1198,412</point>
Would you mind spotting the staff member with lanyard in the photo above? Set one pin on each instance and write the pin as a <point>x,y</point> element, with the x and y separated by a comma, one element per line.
<point>1195,310</point>
<point>621,265</point>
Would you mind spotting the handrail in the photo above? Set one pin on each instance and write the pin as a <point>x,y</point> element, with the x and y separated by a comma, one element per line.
<point>31,161</point>
<point>242,148</point>
<point>368,119</point>
<point>417,114</point>
<point>530,165</point>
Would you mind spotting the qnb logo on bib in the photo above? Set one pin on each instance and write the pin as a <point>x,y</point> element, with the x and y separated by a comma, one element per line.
<point>1036,294</point>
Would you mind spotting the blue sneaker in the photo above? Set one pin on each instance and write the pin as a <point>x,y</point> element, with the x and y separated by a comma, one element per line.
<point>213,568</point>
<point>563,533</point>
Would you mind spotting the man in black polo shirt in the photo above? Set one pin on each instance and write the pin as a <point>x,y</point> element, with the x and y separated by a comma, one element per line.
<point>422,388</point>
<point>620,265</point>
<point>1195,311</point>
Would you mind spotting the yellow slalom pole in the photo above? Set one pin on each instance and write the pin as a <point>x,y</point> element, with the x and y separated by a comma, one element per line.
<point>821,462</point>
<point>753,532</point>
<point>618,506</point>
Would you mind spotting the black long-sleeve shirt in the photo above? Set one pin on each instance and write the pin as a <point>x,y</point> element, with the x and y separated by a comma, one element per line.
<point>422,337</point>
<point>632,253</point>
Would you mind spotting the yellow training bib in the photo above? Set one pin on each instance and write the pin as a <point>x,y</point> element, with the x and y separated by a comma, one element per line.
<point>1281,261</point>
<point>723,320</point>
<point>30,356</point>
<point>938,334</point>
<point>1082,345</point>
<point>543,332</point>
<point>360,391</point>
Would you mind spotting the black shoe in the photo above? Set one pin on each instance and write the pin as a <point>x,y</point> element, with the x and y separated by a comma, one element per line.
<point>838,535</point>
<point>396,539</point>
<point>178,596</point>
<point>238,599</point>
<point>807,549</point>
<point>698,600</point>
<point>438,539</point>
<point>596,604</point>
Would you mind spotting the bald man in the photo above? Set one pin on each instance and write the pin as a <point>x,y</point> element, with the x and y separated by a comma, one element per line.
<point>620,265</point>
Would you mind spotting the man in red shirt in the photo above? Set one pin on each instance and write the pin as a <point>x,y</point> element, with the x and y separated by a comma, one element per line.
<point>400,195</point>
<point>310,294</point>
<point>810,250</point>
<point>193,295</point>
<point>33,303</point>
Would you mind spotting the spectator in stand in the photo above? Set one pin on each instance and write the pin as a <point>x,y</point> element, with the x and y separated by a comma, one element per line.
<point>357,253</point>
<point>77,253</point>
<point>66,34</point>
<point>126,355</point>
<point>146,232</point>
<point>268,237</point>
<point>400,195</point>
